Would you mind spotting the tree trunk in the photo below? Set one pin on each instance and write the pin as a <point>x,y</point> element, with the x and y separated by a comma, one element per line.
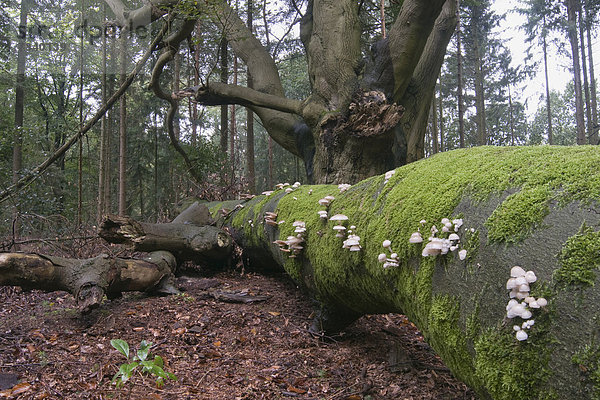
<point>224,117</point>
<point>548,103</point>
<point>434,127</point>
<point>584,70</point>
<point>250,173</point>
<point>509,217</point>
<point>17,160</point>
<point>104,138</point>
<point>123,130</point>
<point>89,280</point>
<point>594,103</point>
<point>188,236</point>
<point>572,31</point>
<point>459,88</point>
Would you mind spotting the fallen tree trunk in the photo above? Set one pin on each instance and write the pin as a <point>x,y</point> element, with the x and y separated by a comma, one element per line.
<point>184,237</point>
<point>535,207</point>
<point>89,280</point>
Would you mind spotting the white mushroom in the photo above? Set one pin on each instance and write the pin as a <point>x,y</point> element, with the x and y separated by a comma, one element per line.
<point>521,335</point>
<point>462,254</point>
<point>386,243</point>
<point>415,238</point>
<point>517,272</point>
<point>338,217</point>
<point>340,230</point>
<point>453,236</point>
<point>382,258</point>
<point>530,277</point>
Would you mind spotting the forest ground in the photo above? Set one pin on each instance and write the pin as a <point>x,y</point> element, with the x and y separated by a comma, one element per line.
<point>217,349</point>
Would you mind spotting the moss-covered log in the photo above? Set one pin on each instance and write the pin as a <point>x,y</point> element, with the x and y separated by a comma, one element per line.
<point>535,207</point>
<point>90,279</point>
<point>187,237</point>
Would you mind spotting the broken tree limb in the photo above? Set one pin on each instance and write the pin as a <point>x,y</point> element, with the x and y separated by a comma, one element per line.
<point>201,244</point>
<point>90,279</point>
<point>533,207</point>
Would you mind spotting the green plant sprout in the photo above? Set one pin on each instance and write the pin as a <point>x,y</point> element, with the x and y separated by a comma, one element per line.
<point>153,366</point>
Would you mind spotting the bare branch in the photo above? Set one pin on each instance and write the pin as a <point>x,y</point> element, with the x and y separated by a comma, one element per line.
<point>216,93</point>
<point>172,43</point>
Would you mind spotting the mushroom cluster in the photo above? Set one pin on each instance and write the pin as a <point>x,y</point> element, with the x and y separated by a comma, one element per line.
<point>340,229</point>
<point>293,244</point>
<point>352,243</point>
<point>326,201</point>
<point>439,245</point>
<point>343,187</point>
<point>271,218</point>
<point>519,286</point>
<point>323,214</point>
<point>392,260</point>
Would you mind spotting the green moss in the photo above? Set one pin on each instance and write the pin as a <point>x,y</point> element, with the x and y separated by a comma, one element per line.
<point>445,334</point>
<point>519,214</point>
<point>588,362</point>
<point>579,259</point>
<point>510,369</point>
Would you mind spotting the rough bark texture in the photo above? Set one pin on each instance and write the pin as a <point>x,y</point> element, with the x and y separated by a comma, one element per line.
<point>536,207</point>
<point>89,280</point>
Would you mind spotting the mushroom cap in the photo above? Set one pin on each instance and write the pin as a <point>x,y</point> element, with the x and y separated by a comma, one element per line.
<point>415,238</point>
<point>462,254</point>
<point>299,223</point>
<point>445,221</point>
<point>511,283</point>
<point>382,257</point>
<point>351,241</point>
<point>453,236</point>
<point>289,190</point>
<point>386,243</point>
<point>355,248</point>
<point>517,271</point>
<point>340,228</point>
<point>300,229</point>
<point>329,198</point>
<point>520,281</point>
<point>338,217</point>
<point>521,335</point>
<point>267,192</point>
<point>324,202</point>
<point>542,302</point>
<point>526,314</point>
<point>530,277</point>
<point>429,251</point>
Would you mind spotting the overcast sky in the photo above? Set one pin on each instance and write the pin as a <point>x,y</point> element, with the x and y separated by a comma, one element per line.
<point>558,66</point>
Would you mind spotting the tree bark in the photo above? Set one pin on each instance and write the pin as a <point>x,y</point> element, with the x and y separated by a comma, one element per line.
<point>224,117</point>
<point>250,173</point>
<point>89,280</point>
<point>123,128</point>
<point>594,102</point>
<point>459,88</point>
<point>188,236</point>
<point>572,33</point>
<point>548,103</point>
<point>17,159</point>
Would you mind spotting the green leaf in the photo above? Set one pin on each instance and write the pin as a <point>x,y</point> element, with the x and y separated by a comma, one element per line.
<point>144,350</point>
<point>159,361</point>
<point>121,345</point>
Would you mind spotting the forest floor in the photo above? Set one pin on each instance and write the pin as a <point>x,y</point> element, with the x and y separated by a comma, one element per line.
<point>217,349</point>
